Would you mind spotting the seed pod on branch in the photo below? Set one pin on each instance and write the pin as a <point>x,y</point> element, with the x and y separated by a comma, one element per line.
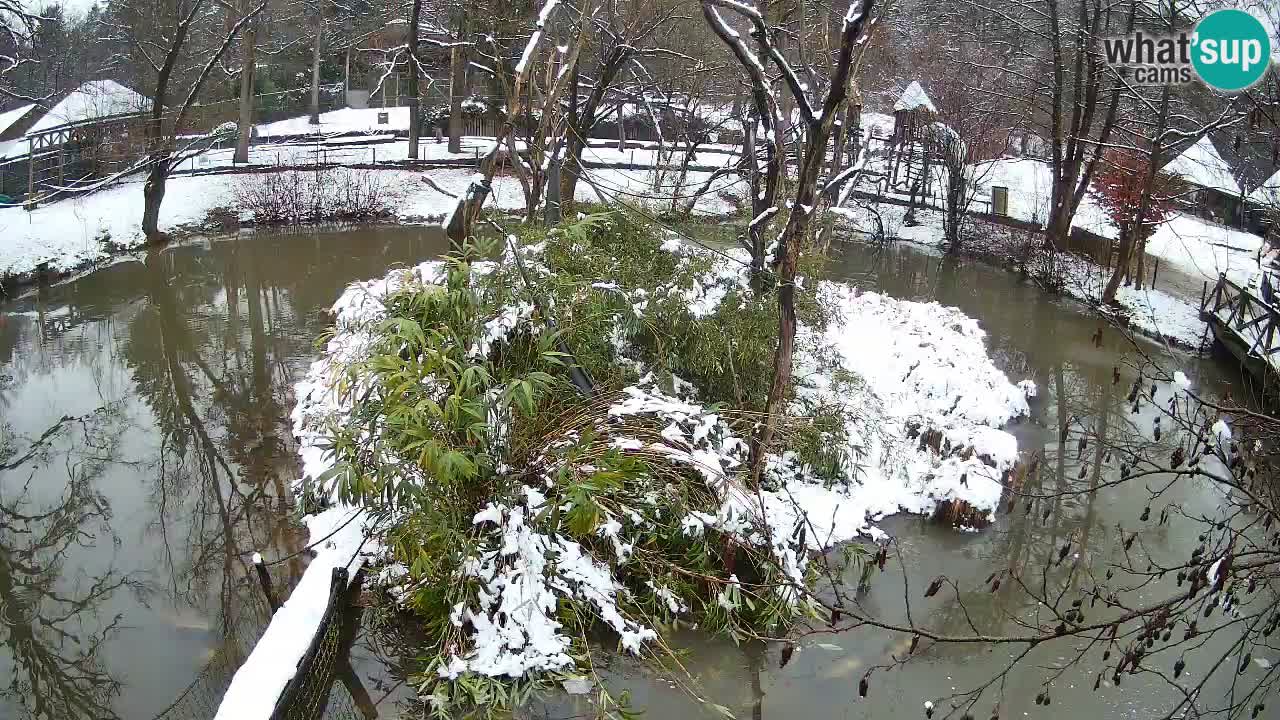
<point>934,587</point>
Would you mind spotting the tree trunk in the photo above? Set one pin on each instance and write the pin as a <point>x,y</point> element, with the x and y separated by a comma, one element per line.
<point>1136,234</point>
<point>569,172</point>
<point>574,145</point>
<point>153,196</point>
<point>1140,247</point>
<point>755,231</point>
<point>457,87</point>
<point>415,116</point>
<point>248,72</point>
<point>853,126</point>
<point>315,66</point>
<point>622,127</point>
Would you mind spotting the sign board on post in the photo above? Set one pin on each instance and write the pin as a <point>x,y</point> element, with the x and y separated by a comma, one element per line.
<point>384,118</point>
<point>999,200</point>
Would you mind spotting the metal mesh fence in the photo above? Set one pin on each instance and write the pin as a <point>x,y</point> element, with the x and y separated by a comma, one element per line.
<point>312,693</point>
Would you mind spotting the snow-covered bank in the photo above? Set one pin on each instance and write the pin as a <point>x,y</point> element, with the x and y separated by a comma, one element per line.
<point>77,232</point>
<point>1154,312</point>
<point>900,371</point>
<point>1198,247</point>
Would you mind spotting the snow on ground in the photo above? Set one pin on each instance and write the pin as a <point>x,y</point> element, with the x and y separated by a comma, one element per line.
<point>876,124</point>
<point>388,149</point>
<point>889,221</point>
<point>1157,313</point>
<point>70,234</point>
<point>1200,248</point>
<point>346,120</point>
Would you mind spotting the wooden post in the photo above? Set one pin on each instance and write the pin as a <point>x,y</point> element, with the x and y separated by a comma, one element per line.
<point>622,128</point>
<point>264,579</point>
<point>551,212</point>
<point>31,170</point>
<point>61,160</point>
<point>1155,270</point>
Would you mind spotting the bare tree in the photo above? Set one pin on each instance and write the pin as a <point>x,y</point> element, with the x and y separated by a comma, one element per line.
<point>18,25</point>
<point>415,111</point>
<point>458,226</point>
<point>317,45</point>
<point>181,42</point>
<point>248,77</point>
<point>457,74</point>
<point>624,35</point>
<point>818,123</point>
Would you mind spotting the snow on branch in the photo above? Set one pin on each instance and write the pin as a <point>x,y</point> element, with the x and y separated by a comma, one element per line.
<point>531,47</point>
<point>458,224</point>
<point>761,34</point>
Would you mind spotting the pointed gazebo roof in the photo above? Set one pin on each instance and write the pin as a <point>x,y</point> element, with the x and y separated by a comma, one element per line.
<point>914,98</point>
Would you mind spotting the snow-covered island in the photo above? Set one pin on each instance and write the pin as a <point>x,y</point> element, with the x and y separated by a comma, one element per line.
<point>510,533</point>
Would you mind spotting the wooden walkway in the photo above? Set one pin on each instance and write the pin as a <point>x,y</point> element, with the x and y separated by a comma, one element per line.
<point>1245,325</point>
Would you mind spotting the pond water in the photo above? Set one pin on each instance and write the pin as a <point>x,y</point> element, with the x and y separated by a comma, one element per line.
<point>125,579</point>
<point>126,588</point>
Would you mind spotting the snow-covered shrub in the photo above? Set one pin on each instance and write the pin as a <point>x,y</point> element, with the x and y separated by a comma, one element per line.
<point>525,513</point>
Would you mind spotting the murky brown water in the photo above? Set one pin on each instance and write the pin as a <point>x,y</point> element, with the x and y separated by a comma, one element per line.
<point>125,584</point>
<point>125,580</point>
<point>1031,335</point>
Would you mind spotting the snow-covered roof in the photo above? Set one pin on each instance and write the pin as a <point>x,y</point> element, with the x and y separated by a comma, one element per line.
<point>913,98</point>
<point>9,117</point>
<point>1268,193</point>
<point>1201,165</point>
<point>92,100</point>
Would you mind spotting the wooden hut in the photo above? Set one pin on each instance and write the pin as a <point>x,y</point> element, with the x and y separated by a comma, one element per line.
<point>913,112</point>
<point>913,141</point>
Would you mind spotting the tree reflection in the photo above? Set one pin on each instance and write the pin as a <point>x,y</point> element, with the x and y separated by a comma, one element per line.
<point>51,628</point>
<point>205,363</point>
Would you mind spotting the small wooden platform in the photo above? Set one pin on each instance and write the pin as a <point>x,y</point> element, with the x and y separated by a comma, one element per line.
<point>1246,326</point>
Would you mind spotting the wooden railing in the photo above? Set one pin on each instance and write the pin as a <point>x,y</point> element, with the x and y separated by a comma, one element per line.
<point>1237,309</point>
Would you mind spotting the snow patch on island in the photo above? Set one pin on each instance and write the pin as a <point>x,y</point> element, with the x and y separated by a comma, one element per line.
<point>919,368</point>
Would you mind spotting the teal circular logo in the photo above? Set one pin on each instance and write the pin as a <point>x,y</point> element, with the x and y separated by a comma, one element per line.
<point>1231,50</point>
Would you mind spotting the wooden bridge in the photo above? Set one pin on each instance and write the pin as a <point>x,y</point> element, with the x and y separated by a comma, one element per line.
<point>1244,324</point>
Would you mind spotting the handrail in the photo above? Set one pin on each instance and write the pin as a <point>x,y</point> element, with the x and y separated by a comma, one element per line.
<point>1222,280</point>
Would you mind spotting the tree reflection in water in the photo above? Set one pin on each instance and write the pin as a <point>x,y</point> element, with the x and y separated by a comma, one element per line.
<point>51,630</point>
